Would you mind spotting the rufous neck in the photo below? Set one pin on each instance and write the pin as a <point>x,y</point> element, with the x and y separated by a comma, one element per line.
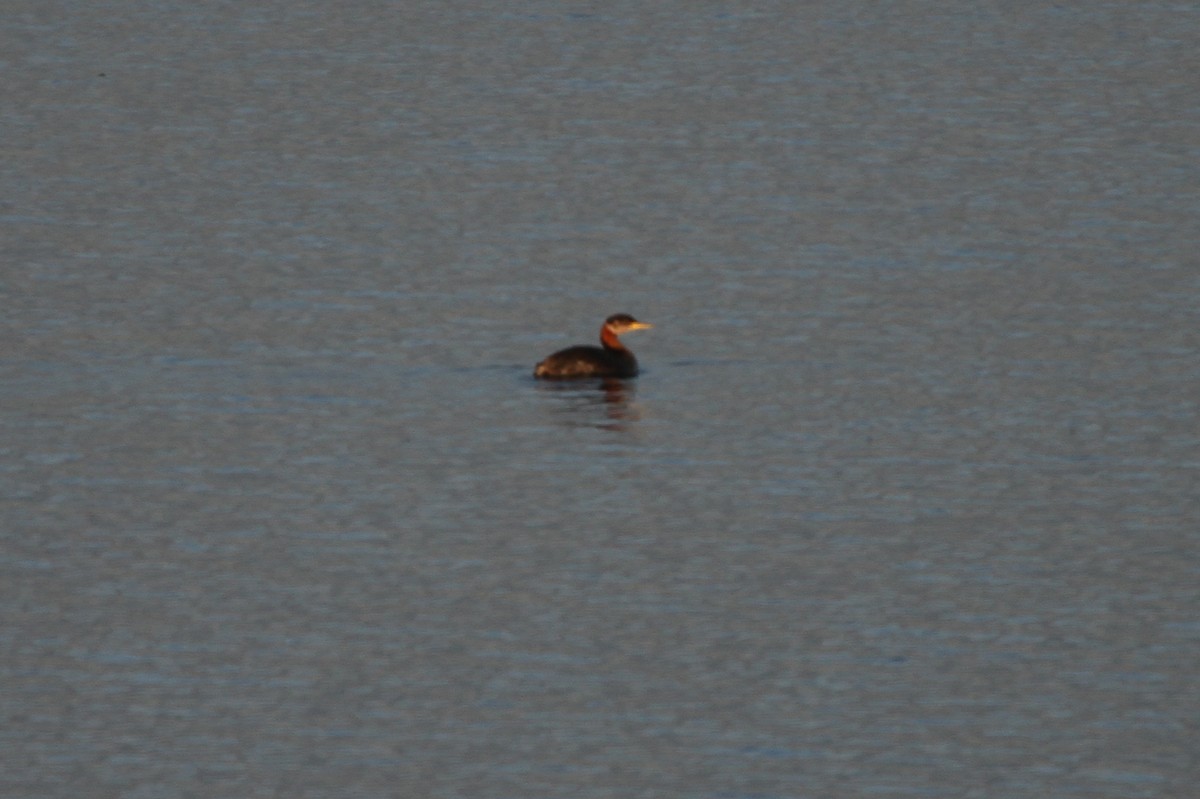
<point>609,339</point>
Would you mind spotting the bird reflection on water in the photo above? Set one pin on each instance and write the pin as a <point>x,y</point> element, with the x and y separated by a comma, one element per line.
<point>601,403</point>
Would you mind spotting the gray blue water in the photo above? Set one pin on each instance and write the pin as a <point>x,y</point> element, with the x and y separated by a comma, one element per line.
<point>904,503</point>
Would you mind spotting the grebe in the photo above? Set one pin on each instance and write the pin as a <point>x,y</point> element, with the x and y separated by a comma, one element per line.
<point>611,359</point>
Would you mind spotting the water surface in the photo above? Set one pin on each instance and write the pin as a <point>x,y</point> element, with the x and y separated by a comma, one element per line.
<point>903,504</point>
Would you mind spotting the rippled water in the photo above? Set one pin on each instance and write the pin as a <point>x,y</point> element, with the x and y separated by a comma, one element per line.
<point>903,504</point>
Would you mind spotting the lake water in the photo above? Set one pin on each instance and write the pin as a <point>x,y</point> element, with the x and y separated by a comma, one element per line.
<point>904,503</point>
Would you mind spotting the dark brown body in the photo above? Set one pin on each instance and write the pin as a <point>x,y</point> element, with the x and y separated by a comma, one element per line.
<point>610,359</point>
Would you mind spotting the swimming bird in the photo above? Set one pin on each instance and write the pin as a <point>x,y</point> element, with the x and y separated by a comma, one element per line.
<point>610,359</point>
